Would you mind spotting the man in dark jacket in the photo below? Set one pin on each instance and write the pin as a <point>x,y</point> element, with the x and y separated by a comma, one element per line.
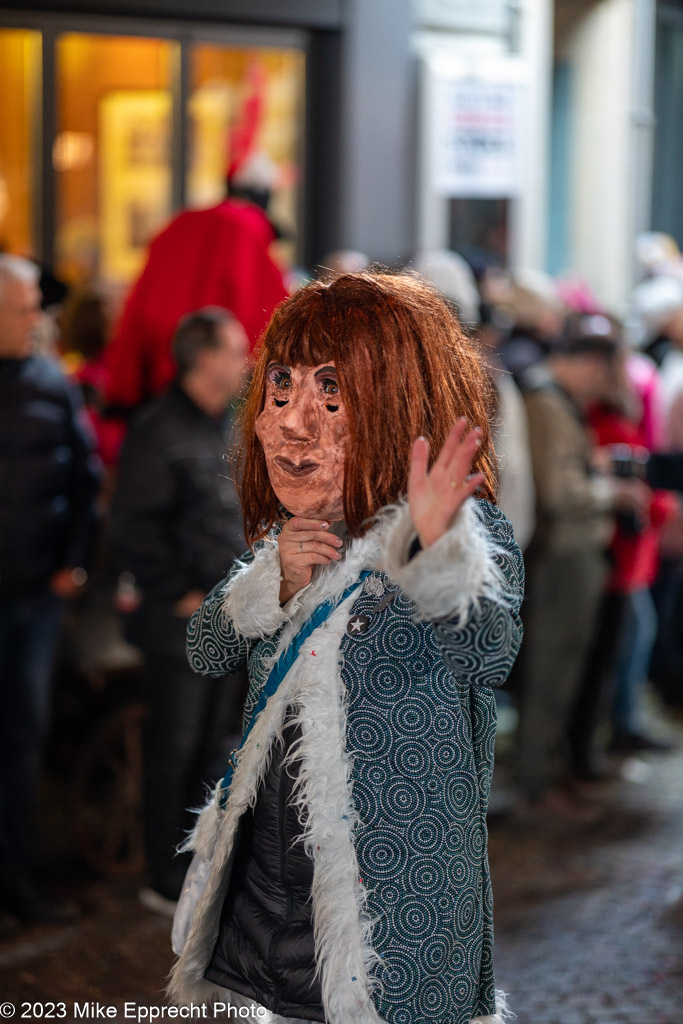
<point>176,526</point>
<point>48,485</point>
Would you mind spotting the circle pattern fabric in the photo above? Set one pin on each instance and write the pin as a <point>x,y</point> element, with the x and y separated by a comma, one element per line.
<point>420,732</point>
<point>421,725</point>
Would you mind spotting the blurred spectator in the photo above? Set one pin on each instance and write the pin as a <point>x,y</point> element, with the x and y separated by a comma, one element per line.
<point>85,332</point>
<point>516,493</point>
<point>219,257</point>
<point>634,659</point>
<point>658,305</point>
<point>656,252</point>
<point>644,383</point>
<point>176,526</point>
<point>53,291</point>
<point>48,480</point>
<point>666,666</point>
<point>451,274</point>
<point>616,669</point>
<point>565,562</point>
<point>659,301</point>
<point>53,294</point>
<point>536,314</point>
<point>672,380</point>
<point>576,295</point>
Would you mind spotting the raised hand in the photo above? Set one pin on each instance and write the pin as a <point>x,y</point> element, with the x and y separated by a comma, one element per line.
<point>436,494</point>
<point>303,544</point>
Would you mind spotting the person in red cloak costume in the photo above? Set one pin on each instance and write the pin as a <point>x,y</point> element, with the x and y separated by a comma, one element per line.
<point>213,257</point>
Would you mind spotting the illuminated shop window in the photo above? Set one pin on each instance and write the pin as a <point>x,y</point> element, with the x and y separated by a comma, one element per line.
<point>246,113</point>
<point>19,102</point>
<point>112,153</point>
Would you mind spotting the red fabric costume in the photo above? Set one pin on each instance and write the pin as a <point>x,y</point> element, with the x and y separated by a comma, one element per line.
<point>635,558</point>
<point>214,257</point>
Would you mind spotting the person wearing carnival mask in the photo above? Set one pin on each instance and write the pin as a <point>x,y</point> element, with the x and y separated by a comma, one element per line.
<point>340,871</point>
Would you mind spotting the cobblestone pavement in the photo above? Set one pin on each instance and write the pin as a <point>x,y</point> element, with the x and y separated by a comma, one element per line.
<point>589,922</point>
<point>587,926</point>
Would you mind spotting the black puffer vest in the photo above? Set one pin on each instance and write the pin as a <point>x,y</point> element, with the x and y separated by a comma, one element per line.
<point>265,948</point>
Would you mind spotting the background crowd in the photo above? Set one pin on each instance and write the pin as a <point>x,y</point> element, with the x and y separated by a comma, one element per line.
<point>119,514</point>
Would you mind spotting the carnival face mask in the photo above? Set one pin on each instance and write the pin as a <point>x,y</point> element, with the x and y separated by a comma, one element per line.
<point>304,433</point>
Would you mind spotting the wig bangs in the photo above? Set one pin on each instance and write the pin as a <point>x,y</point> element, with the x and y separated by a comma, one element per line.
<point>294,342</point>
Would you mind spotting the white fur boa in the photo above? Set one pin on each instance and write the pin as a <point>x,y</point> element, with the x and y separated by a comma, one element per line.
<point>314,693</point>
<point>449,578</point>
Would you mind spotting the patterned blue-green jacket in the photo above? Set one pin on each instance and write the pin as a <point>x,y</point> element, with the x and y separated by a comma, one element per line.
<point>398,722</point>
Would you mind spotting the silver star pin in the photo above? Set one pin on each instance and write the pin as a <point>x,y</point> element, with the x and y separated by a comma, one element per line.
<point>357,625</point>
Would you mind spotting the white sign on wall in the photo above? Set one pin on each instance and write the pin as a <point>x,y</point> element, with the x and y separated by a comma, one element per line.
<point>477,131</point>
<point>464,15</point>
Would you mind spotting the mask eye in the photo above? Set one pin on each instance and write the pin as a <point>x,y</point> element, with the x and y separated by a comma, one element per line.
<point>330,388</point>
<point>281,382</point>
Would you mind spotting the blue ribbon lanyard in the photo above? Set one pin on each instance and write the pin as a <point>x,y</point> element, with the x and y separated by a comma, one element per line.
<point>280,670</point>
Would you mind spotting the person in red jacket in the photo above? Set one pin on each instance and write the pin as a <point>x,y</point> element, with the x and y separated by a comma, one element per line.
<point>616,670</point>
<point>635,566</point>
<point>214,257</point>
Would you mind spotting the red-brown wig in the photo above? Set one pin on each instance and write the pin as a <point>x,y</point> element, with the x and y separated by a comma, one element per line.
<point>405,369</point>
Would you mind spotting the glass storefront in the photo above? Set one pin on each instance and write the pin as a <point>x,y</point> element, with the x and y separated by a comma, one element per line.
<point>20,63</point>
<point>122,107</point>
<point>112,153</point>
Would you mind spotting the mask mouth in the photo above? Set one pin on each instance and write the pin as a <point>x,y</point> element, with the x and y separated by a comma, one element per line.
<point>297,469</point>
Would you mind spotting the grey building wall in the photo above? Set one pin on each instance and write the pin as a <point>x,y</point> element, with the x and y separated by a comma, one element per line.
<point>377,131</point>
<point>667,207</point>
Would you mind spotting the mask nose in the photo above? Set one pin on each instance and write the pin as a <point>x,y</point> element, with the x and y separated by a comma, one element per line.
<point>299,421</point>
